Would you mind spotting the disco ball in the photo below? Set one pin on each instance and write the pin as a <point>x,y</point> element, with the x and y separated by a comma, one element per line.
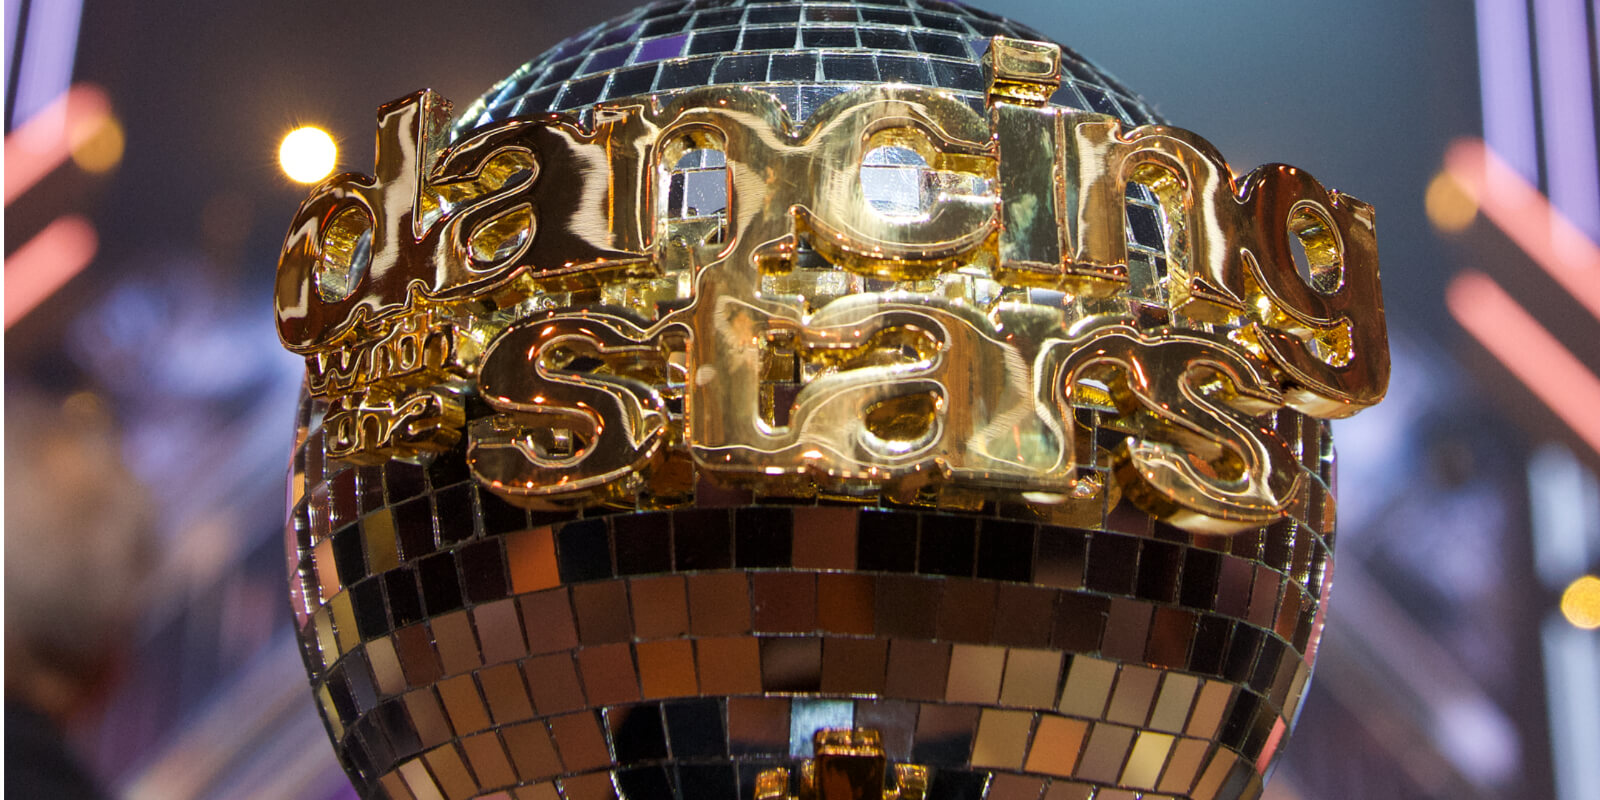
<point>816,400</point>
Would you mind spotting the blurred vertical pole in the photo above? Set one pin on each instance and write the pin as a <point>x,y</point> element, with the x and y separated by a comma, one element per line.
<point>1565,499</point>
<point>1505,72</point>
<point>1566,93</point>
<point>12,21</point>
<point>49,48</point>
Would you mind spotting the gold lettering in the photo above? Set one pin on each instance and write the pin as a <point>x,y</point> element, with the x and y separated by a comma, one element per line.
<point>1231,260</point>
<point>1197,455</point>
<point>578,418</point>
<point>703,279</point>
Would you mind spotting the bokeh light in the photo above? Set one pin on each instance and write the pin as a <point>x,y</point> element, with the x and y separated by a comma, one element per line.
<point>1448,205</point>
<point>1580,603</point>
<point>307,154</point>
<point>1450,208</point>
<point>101,149</point>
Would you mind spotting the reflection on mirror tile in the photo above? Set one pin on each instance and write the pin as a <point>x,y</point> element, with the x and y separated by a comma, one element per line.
<point>729,665</point>
<point>1002,739</point>
<point>505,694</point>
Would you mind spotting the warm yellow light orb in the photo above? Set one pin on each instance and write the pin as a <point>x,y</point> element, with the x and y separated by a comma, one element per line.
<point>100,149</point>
<point>1450,208</point>
<point>307,154</point>
<point>1580,603</point>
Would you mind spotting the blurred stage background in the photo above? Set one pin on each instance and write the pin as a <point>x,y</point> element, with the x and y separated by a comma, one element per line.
<point>147,243</point>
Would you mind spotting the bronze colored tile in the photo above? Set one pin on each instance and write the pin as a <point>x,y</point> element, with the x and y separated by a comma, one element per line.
<point>458,648</point>
<point>1135,692</point>
<point>729,665</point>
<point>917,670</point>
<point>1170,635</point>
<point>327,645</point>
<point>785,602</point>
<point>547,619</point>
<point>1208,710</point>
<point>419,781</point>
<point>589,787</point>
<point>538,791</point>
<point>427,717</point>
<point>531,560</point>
<point>1061,790</point>
<point>344,622</point>
<point>395,787</point>
<point>854,666</point>
<point>1264,596</point>
<point>554,682</point>
<point>1116,794</point>
<point>1172,705</point>
<point>417,658</point>
<point>1127,628</point>
<point>1031,678</point>
<point>1055,745</point>
<point>719,604</point>
<point>377,535</point>
<point>758,725</point>
<point>580,742</point>
<point>488,760</point>
<point>1148,757</point>
<point>608,677</point>
<point>825,538</point>
<point>499,631</point>
<point>966,613</point>
<point>1289,612</point>
<point>660,607</point>
<point>1080,622</point>
<point>975,674</point>
<point>791,663</point>
<point>1233,587</point>
<point>1222,762</point>
<point>1024,615</point>
<point>532,752</point>
<point>504,692</point>
<point>906,606</point>
<point>1002,739</point>
<point>1014,787</point>
<point>1105,753</point>
<point>328,583</point>
<point>944,733</point>
<point>450,772</point>
<point>463,704</point>
<point>845,603</point>
<point>666,669</point>
<point>1184,765</point>
<point>1088,687</point>
<point>602,612</point>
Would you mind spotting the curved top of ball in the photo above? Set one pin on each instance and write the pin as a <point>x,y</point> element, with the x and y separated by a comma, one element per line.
<point>801,52</point>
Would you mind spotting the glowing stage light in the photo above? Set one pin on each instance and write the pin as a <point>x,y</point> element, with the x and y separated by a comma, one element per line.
<point>1580,603</point>
<point>307,154</point>
<point>100,149</point>
<point>1450,207</point>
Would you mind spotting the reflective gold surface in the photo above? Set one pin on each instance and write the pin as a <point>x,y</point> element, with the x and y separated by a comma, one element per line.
<point>684,450</point>
<point>850,765</point>
<point>800,339</point>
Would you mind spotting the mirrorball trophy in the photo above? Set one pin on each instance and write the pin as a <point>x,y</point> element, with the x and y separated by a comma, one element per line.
<point>824,400</point>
